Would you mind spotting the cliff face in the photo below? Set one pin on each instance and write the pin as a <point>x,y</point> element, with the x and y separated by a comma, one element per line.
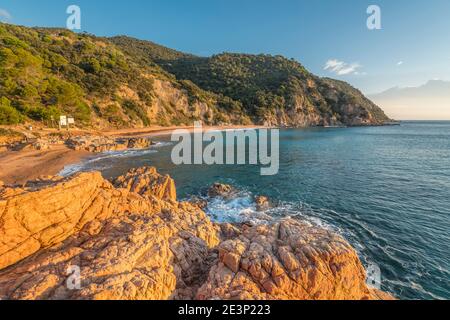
<point>271,89</point>
<point>131,239</point>
<point>125,82</point>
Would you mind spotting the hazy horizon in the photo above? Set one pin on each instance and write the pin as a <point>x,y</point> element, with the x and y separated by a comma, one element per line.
<point>430,101</point>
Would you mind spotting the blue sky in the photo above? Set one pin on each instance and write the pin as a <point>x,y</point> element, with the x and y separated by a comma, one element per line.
<point>412,47</point>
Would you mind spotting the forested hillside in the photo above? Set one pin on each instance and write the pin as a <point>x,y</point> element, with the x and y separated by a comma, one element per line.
<point>125,82</point>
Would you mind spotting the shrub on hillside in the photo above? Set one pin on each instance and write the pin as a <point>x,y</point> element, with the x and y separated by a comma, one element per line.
<point>8,114</point>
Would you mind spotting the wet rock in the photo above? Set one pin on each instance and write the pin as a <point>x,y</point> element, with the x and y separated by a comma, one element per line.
<point>262,203</point>
<point>199,202</point>
<point>139,143</point>
<point>221,190</point>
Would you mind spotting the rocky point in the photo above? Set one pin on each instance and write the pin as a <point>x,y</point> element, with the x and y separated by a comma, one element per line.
<point>131,239</point>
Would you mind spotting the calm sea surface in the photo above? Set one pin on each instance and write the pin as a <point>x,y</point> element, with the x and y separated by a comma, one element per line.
<point>385,189</point>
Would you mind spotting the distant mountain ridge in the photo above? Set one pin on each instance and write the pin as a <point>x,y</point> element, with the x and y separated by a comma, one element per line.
<point>126,82</point>
<point>430,101</point>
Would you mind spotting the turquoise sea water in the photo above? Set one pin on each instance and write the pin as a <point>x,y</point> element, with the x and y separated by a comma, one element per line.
<point>385,189</point>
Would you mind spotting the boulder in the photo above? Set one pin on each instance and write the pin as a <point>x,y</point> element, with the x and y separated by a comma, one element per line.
<point>146,180</point>
<point>41,145</point>
<point>95,144</point>
<point>199,202</point>
<point>290,260</point>
<point>139,143</point>
<point>221,190</point>
<point>262,203</point>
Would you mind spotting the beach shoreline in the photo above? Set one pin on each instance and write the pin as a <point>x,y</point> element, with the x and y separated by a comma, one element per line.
<point>18,167</point>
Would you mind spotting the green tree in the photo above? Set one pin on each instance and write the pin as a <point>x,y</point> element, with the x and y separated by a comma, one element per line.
<point>8,114</point>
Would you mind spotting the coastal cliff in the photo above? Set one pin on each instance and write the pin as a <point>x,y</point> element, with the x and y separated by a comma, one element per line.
<point>132,239</point>
<point>122,82</point>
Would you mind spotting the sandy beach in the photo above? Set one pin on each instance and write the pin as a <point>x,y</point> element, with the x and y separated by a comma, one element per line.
<point>22,166</point>
<point>18,167</point>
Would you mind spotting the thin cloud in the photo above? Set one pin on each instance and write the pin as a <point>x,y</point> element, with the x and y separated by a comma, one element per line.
<point>399,63</point>
<point>342,68</point>
<point>5,15</point>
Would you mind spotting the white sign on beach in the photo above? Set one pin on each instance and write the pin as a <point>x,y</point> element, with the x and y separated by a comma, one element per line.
<point>70,121</point>
<point>63,121</point>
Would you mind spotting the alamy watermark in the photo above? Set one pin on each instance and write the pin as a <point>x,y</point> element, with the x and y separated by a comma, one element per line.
<point>74,20</point>
<point>74,278</point>
<point>231,147</point>
<point>374,276</point>
<point>374,20</point>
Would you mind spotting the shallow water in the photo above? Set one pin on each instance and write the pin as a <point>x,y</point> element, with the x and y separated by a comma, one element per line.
<point>386,189</point>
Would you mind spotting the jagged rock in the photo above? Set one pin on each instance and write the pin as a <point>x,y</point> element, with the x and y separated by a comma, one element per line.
<point>262,203</point>
<point>229,231</point>
<point>220,190</point>
<point>128,246</point>
<point>97,144</point>
<point>286,260</point>
<point>131,240</point>
<point>139,143</point>
<point>33,220</point>
<point>199,202</point>
<point>147,181</point>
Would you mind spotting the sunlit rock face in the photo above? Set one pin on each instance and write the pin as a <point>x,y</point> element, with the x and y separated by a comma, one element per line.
<point>86,238</point>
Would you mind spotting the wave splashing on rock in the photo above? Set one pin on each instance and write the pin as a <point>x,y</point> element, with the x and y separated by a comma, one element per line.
<point>133,240</point>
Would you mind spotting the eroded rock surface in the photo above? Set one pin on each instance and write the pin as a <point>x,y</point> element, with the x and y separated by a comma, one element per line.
<point>289,259</point>
<point>147,181</point>
<point>127,245</point>
<point>131,239</point>
<point>221,190</point>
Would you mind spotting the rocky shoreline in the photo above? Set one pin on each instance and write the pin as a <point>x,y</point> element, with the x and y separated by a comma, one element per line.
<point>131,240</point>
<point>89,143</point>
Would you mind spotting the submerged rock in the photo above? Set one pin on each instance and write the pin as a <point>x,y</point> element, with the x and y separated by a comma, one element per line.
<point>132,240</point>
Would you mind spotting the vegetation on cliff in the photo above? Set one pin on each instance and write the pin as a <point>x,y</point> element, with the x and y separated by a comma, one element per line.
<point>124,82</point>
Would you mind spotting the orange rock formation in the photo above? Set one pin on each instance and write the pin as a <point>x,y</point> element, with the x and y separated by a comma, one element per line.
<point>131,239</point>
